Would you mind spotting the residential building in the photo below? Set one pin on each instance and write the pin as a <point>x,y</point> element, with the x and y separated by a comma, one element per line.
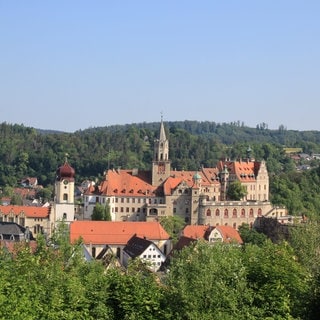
<point>145,250</point>
<point>98,236</point>
<point>36,219</point>
<point>226,234</point>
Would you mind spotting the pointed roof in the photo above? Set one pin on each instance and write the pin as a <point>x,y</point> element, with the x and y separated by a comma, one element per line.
<point>229,234</point>
<point>162,135</point>
<point>246,171</point>
<point>136,246</point>
<point>126,183</point>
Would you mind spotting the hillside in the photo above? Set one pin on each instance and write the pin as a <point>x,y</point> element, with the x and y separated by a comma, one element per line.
<point>29,152</point>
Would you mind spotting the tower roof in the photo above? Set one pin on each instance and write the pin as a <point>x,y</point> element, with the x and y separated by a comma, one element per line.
<point>65,171</point>
<point>162,136</point>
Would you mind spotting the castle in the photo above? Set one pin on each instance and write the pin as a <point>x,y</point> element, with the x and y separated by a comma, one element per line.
<point>198,197</point>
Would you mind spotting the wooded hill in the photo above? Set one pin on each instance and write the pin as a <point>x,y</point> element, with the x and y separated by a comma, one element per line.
<point>27,151</point>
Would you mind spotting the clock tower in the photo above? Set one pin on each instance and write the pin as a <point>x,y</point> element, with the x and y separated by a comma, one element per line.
<point>161,165</point>
<point>64,193</point>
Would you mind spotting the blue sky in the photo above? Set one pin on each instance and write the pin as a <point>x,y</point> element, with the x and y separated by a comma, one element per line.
<point>70,65</point>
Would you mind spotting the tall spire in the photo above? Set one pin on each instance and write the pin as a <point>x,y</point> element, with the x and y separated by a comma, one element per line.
<point>162,136</point>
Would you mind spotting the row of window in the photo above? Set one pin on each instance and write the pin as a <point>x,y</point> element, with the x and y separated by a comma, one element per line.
<point>127,200</point>
<point>20,221</point>
<point>234,213</point>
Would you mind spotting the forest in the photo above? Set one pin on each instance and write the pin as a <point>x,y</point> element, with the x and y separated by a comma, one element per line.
<point>28,152</point>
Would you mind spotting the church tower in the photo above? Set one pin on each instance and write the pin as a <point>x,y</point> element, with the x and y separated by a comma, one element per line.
<point>161,165</point>
<point>64,193</point>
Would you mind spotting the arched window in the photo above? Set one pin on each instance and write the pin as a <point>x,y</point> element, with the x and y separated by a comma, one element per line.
<point>226,213</point>
<point>259,212</point>
<point>208,213</point>
<point>64,217</point>
<point>234,213</point>
<point>217,212</point>
<point>234,226</point>
<point>251,213</point>
<point>243,212</point>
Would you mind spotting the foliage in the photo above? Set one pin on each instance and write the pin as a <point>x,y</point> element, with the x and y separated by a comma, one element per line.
<point>173,225</point>
<point>101,212</point>
<point>227,282</point>
<point>251,235</point>
<point>236,191</point>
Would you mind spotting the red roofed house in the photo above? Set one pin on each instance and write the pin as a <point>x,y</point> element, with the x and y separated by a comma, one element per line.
<point>96,235</point>
<point>199,197</point>
<point>225,234</point>
<point>37,219</point>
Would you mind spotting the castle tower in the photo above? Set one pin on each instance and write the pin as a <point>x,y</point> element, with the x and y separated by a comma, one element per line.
<point>64,193</point>
<point>161,165</point>
<point>224,179</point>
<point>195,199</point>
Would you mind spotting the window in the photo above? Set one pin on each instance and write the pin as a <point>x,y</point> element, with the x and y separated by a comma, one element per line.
<point>208,213</point>
<point>65,197</point>
<point>234,213</point>
<point>64,216</point>
<point>226,213</point>
<point>243,212</point>
<point>259,212</point>
<point>251,213</point>
<point>217,212</point>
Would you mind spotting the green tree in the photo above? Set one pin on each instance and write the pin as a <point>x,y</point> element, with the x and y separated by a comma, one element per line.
<point>236,191</point>
<point>101,213</point>
<point>251,235</point>
<point>208,282</point>
<point>281,285</point>
<point>173,225</point>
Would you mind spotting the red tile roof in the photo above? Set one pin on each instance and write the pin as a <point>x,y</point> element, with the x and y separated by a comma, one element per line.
<point>115,232</point>
<point>245,171</point>
<point>29,211</point>
<point>127,183</point>
<point>229,234</point>
<point>195,232</point>
<point>25,192</point>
